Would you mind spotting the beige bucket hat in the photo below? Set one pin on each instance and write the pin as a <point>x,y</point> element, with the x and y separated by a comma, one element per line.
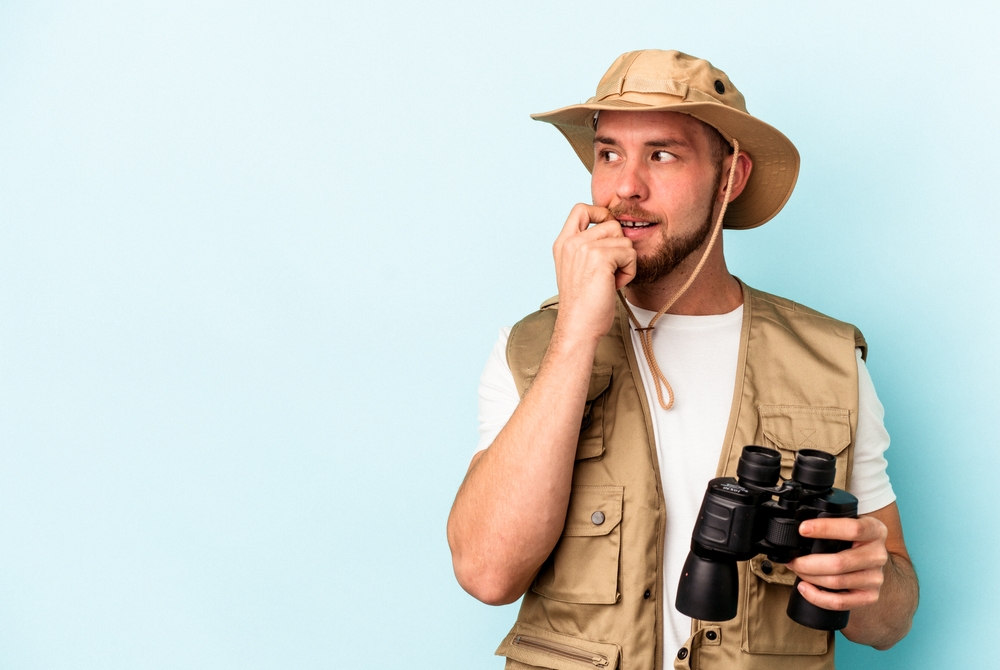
<point>670,81</point>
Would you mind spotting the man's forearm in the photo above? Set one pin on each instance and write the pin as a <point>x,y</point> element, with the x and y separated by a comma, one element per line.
<point>885,622</point>
<point>510,510</point>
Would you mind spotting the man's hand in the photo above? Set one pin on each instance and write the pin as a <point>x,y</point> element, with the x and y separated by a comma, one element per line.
<point>592,263</point>
<point>876,576</point>
<point>857,571</point>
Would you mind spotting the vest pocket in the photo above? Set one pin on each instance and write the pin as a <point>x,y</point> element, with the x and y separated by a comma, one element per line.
<point>591,443</point>
<point>543,648</point>
<point>789,428</point>
<point>583,567</point>
<point>766,627</point>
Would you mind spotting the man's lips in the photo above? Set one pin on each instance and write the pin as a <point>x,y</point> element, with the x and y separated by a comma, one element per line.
<point>638,230</point>
<point>636,223</point>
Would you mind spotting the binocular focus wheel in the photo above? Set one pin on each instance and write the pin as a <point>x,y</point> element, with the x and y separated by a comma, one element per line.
<point>783,532</point>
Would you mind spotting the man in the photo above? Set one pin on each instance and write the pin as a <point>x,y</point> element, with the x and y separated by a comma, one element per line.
<point>603,413</point>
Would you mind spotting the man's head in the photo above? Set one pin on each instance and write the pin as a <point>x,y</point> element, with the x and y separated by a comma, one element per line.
<point>660,175</point>
<point>669,81</point>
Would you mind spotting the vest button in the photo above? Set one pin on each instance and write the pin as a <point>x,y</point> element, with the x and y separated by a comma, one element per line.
<point>766,567</point>
<point>645,596</point>
<point>711,635</point>
<point>683,653</point>
<point>597,518</point>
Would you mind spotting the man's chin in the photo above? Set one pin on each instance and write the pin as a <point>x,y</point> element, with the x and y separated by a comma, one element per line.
<point>649,271</point>
<point>647,278</point>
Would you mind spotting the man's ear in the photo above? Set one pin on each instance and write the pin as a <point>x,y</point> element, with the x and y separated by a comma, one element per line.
<point>744,166</point>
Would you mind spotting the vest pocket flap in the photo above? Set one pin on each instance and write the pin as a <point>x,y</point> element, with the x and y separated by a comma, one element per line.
<point>547,649</point>
<point>792,428</point>
<point>593,511</point>
<point>771,572</point>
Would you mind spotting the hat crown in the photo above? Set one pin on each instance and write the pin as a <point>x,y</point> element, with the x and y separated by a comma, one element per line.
<point>637,75</point>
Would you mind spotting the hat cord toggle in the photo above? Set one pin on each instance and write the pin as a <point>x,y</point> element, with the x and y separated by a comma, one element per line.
<point>646,333</point>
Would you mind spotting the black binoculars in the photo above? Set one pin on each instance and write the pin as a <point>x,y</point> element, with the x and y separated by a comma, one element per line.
<point>748,515</point>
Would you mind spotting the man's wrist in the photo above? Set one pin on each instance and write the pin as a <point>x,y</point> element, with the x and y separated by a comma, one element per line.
<point>574,342</point>
<point>575,332</point>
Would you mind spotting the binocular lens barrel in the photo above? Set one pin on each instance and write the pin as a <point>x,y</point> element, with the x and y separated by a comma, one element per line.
<point>759,466</point>
<point>709,590</point>
<point>814,469</point>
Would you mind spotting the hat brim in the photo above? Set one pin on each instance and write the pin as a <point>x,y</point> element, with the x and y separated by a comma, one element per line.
<point>775,158</point>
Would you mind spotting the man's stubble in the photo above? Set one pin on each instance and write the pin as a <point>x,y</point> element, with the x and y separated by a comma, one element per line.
<point>673,250</point>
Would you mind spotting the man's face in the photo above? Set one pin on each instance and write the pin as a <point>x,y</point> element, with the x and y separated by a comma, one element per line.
<point>658,175</point>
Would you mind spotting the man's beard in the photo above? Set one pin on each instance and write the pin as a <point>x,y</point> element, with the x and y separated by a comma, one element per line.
<point>673,250</point>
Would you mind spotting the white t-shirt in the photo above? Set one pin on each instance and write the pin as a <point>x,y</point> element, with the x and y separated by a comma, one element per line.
<point>698,355</point>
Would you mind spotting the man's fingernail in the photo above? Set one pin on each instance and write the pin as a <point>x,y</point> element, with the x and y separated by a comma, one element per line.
<point>802,587</point>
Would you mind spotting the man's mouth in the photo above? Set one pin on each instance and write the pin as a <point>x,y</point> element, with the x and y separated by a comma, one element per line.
<point>635,224</point>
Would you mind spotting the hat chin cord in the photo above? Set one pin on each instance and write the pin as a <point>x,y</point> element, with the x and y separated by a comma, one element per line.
<point>646,333</point>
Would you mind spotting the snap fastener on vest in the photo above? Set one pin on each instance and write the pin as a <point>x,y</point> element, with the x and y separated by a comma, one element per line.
<point>597,518</point>
<point>711,635</point>
<point>683,653</point>
<point>766,567</point>
<point>645,596</point>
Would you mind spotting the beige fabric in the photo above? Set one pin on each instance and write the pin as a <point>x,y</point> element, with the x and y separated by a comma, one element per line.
<point>796,387</point>
<point>671,81</point>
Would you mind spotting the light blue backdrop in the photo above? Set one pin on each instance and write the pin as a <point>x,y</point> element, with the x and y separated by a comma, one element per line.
<point>253,257</point>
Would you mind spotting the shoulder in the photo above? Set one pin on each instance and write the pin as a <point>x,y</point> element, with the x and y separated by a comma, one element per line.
<point>546,313</point>
<point>529,338</point>
<point>535,327</point>
<point>802,321</point>
<point>788,309</point>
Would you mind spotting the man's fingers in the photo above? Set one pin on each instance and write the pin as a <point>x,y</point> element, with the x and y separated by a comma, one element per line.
<point>626,269</point>
<point>603,236</point>
<point>572,238</point>
<point>864,557</point>
<point>581,216</point>
<point>861,580</point>
<point>830,600</point>
<point>863,529</point>
<point>616,251</point>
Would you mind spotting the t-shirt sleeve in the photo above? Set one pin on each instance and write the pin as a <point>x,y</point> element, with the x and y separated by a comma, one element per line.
<point>498,395</point>
<point>869,479</point>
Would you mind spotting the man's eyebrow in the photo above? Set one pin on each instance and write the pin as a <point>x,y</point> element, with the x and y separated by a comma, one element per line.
<point>667,143</point>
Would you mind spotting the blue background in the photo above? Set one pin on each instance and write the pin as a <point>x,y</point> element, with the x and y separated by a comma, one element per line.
<point>253,258</point>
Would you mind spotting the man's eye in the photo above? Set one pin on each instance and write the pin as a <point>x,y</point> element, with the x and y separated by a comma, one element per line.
<point>609,155</point>
<point>663,156</point>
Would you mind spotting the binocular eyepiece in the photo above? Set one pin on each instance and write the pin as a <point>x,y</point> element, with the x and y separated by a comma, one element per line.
<point>750,514</point>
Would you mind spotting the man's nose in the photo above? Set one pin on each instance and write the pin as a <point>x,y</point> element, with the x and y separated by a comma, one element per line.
<point>632,182</point>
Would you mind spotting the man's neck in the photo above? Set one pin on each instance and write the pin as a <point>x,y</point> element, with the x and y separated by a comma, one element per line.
<point>714,291</point>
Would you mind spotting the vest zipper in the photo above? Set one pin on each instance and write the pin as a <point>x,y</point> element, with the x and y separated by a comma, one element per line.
<point>572,653</point>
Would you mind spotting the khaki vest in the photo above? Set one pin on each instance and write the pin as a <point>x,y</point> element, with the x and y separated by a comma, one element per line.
<point>597,598</point>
